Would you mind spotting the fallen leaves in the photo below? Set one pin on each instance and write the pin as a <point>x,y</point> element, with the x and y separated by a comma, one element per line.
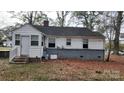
<point>67,69</point>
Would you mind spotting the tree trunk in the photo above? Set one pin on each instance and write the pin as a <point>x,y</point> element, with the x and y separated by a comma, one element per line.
<point>31,18</point>
<point>109,51</point>
<point>117,32</point>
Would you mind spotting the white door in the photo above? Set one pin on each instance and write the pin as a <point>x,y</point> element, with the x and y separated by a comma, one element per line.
<point>25,45</point>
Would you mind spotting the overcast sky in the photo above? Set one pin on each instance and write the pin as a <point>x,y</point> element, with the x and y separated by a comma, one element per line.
<point>6,20</point>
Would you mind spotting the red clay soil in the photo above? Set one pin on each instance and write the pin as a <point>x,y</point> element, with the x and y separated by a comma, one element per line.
<point>116,63</point>
<point>116,58</point>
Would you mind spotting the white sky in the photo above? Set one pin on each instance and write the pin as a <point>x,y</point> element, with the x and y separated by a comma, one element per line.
<point>6,20</point>
<point>51,14</point>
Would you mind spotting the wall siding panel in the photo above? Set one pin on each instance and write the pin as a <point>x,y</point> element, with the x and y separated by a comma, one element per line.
<point>77,43</point>
<point>29,30</point>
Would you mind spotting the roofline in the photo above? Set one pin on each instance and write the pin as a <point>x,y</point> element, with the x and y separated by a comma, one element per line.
<point>38,29</point>
<point>30,25</point>
<point>58,35</point>
<point>63,27</point>
<point>91,37</point>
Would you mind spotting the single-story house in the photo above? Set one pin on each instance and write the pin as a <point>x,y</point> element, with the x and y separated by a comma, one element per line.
<point>7,42</point>
<point>121,38</point>
<point>35,41</point>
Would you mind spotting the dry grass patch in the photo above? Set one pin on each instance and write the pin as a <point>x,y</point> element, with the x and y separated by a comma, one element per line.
<point>64,70</point>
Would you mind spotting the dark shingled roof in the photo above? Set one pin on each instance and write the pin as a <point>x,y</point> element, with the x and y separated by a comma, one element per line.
<point>67,31</point>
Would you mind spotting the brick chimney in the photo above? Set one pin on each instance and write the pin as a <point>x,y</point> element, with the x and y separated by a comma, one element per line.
<point>46,23</point>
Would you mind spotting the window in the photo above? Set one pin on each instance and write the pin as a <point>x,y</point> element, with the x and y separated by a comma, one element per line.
<point>17,39</point>
<point>42,41</point>
<point>85,43</point>
<point>99,56</point>
<point>34,40</point>
<point>68,42</point>
<point>51,42</point>
<point>42,44</point>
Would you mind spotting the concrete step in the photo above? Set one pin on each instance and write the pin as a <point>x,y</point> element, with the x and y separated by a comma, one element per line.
<point>21,57</point>
<point>12,62</point>
<point>20,60</point>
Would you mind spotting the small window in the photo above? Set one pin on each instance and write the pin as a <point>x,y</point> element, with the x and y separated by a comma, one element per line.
<point>34,40</point>
<point>42,44</point>
<point>68,42</point>
<point>17,39</point>
<point>43,41</point>
<point>85,43</point>
<point>81,56</point>
<point>99,56</point>
<point>51,43</point>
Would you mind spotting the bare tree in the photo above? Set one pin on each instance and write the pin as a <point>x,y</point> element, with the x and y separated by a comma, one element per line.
<point>31,17</point>
<point>117,26</point>
<point>106,27</point>
<point>61,17</point>
<point>88,19</point>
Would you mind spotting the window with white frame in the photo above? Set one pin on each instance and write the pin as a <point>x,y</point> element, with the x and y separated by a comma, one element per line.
<point>85,43</point>
<point>34,40</point>
<point>68,42</point>
<point>17,39</point>
<point>51,43</point>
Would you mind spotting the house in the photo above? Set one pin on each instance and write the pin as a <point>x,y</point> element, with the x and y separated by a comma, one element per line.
<point>7,42</point>
<point>36,41</point>
<point>6,38</point>
<point>121,38</point>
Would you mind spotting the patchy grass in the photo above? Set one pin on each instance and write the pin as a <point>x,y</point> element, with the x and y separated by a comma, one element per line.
<point>57,70</point>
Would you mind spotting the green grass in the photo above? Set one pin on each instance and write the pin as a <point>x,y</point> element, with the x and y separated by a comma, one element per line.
<point>54,71</point>
<point>5,48</point>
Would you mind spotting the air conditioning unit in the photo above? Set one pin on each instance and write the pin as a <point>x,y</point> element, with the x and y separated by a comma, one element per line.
<point>53,56</point>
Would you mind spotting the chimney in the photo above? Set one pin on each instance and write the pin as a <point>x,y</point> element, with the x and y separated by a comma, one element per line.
<point>46,23</point>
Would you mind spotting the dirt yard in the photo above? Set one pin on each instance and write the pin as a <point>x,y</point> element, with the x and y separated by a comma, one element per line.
<point>64,70</point>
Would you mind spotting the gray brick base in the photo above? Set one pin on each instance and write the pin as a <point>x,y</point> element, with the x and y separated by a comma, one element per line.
<point>85,54</point>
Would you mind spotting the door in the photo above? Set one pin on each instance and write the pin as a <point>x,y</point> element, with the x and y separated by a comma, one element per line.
<point>25,45</point>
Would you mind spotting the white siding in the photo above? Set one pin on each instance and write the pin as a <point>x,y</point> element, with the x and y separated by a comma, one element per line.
<point>29,30</point>
<point>61,42</point>
<point>77,43</point>
<point>121,41</point>
<point>35,52</point>
<point>96,44</point>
